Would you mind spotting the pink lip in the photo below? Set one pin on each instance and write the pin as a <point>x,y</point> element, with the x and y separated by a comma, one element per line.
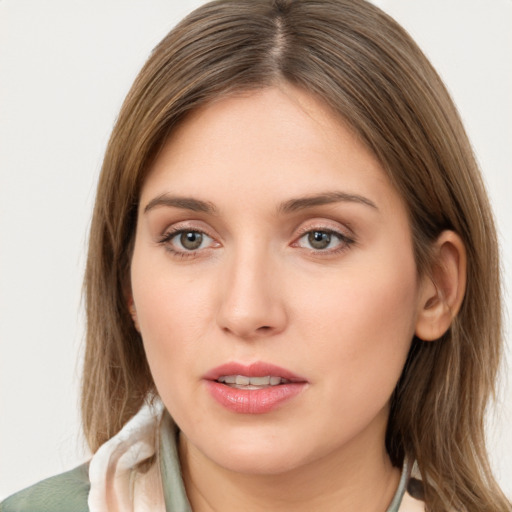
<point>253,401</point>
<point>259,369</point>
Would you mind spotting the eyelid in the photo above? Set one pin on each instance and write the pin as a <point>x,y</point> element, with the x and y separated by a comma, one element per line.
<point>175,229</point>
<point>187,225</point>
<point>325,226</point>
<point>169,235</point>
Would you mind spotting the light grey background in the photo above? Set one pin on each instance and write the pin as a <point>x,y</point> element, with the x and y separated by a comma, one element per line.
<point>65,67</point>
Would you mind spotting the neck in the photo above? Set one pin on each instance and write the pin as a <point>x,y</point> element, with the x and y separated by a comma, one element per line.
<point>355,477</point>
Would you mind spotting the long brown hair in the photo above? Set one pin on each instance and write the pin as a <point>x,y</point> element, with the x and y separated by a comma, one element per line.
<point>368,70</point>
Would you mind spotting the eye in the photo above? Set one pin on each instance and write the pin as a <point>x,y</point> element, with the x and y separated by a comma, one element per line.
<point>319,239</point>
<point>185,241</point>
<point>324,240</point>
<point>190,240</point>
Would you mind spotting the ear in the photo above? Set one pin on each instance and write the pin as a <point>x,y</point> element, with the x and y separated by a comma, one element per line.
<point>442,291</point>
<point>133,312</point>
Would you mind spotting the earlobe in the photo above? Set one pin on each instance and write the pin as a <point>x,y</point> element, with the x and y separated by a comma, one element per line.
<point>133,313</point>
<point>443,289</point>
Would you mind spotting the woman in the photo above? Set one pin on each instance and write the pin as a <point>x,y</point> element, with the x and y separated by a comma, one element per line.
<point>291,249</point>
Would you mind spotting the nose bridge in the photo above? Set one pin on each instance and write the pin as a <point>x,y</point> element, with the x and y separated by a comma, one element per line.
<point>251,304</point>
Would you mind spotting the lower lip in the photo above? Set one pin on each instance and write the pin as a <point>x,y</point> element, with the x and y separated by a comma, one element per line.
<point>253,401</point>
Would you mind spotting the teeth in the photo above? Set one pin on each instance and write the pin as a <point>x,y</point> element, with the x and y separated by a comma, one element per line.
<point>259,381</point>
<point>243,380</point>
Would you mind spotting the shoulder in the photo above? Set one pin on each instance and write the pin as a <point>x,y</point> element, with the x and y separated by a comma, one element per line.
<point>67,492</point>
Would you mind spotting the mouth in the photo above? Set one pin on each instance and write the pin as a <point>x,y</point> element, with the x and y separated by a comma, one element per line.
<point>245,382</point>
<point>253,389</point>
<point>259,374</point>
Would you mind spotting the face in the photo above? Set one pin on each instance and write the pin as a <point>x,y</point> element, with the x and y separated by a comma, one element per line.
<point>274,283</point>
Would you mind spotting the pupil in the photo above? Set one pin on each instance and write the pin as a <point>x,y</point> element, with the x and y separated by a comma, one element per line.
<point>319,239</point>
<point>191,240</point>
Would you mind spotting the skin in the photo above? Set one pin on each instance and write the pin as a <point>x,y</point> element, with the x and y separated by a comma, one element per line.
<point>342,317</point>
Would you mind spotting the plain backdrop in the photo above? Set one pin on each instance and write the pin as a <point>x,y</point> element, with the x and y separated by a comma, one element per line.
<point>65,67</point>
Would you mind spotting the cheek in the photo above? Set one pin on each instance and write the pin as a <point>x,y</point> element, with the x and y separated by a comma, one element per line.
<point>363,327</point>
<point>173,313</point>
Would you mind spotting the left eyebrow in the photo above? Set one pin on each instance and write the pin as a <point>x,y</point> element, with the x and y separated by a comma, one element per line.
<point>302,203</point>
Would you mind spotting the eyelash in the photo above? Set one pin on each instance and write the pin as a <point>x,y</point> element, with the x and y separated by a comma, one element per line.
<point>166,239</point>
<point>344,241</point>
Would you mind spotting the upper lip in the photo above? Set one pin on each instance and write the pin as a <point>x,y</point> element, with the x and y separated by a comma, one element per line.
<point>257,369</point>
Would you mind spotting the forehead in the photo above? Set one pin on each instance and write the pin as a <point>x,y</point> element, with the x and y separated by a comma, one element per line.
<point>270,143</point>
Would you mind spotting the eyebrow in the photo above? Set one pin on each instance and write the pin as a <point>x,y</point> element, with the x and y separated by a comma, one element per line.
<point>303,203</point>
<point>185,203</point>
<point>290,206</point>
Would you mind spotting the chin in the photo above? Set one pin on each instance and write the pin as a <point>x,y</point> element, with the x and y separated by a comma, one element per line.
<point>257,454</point>
<point>259,463</point>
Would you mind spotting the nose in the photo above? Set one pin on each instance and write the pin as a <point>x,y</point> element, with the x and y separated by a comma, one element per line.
<point>252,299</point>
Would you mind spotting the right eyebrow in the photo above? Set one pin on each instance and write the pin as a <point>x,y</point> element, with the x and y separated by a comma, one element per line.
<point>185,203</point>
